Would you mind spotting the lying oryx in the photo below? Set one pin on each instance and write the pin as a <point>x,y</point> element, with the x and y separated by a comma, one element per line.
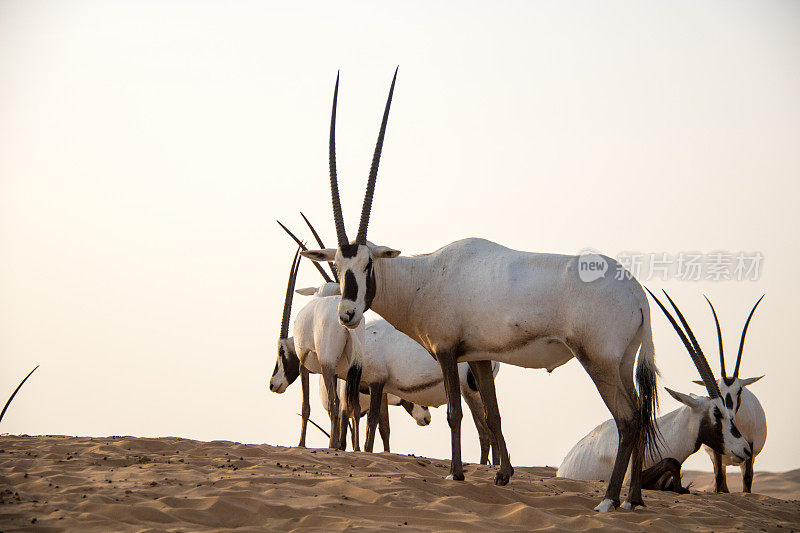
<point>476,301</point>
<point>703,420</point>
<point>419,413</point>
<point>748,414</point>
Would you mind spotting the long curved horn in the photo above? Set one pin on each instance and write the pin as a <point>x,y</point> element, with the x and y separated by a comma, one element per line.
<point>719,339</point>
<point>361,238</point>
<point>21,383</point>
<point>319,241</point>
<point>698,358</point>
<point>741,341</point>
<point>338,219</point>
<point>287,302</point>
<point>303,247</point>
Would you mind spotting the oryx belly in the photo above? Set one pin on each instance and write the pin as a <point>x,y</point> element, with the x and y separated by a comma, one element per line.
<point>544,352</point>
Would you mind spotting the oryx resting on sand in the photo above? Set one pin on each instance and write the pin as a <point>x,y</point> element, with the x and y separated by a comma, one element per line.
<point>477,301</point>
<point>747,414</point>
<point>703,420</point>
<point>391,359</point>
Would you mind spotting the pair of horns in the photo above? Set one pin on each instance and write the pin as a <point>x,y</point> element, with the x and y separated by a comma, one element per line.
<point>303,247</point>
<point>287,302</point>
<point>741,340</point>
<point>692,346</point>
<point>361,237</point>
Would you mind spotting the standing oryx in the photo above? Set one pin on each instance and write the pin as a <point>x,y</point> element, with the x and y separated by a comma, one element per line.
<point>390,359</point>
<point>476,301</point>
<point>747,413</point>
<point>702,420</point>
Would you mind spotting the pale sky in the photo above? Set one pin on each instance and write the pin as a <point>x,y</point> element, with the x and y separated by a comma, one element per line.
<point>146,149</point>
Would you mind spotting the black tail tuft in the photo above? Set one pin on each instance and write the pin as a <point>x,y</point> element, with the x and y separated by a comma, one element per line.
<point>352,388</point>
<point>646,380</point>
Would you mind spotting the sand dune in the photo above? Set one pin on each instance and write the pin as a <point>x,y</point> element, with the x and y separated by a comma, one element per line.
<point>172,484</point>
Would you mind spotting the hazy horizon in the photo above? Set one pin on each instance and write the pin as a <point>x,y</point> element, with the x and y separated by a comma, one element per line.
<point>146,149</point>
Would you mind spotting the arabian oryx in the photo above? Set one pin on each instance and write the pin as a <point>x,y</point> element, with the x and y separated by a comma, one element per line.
<point>702,420</point>
<point>319,345</point>
<point>325,340</point>
<point>421,414</point>
<point>476,301</point>
<point>392,362</point>
<point>747,413</point>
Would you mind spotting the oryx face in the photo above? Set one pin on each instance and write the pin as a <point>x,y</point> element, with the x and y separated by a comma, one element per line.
<point>287,366</point>
<point>356,266</point>
<point>731,391</point>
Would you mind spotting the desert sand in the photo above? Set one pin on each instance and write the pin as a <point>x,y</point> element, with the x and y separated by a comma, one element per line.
<point>171,484</point>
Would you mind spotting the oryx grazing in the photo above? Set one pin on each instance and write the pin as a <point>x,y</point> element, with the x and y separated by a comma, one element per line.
<point>421,414</point>
<point>702,420</point>
<point>747,413</point>
<point>477,301</point>
<point>394,362</point>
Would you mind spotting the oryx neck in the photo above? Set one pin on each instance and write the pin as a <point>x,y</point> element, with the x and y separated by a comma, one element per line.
<point>680,429</point>
<point>396,283</point>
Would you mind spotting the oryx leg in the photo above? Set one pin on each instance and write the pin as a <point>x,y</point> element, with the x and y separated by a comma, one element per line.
<point>344,424</point>
<point>376,398</point>
<point>449,365</point>
<point>664,475</point>
<point>747,473</point>
<point>479,416</point>
<point>484,377</point>
<point>329,376</point>
<point>354,410</point>
<point>612,390</point>
<point>720,474</point>
<point>383,423</point>
<point>306,411</point>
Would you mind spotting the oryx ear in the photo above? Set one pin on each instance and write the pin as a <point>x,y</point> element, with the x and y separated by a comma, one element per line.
<point>750,381</point>
<point>685,399</point>
<point>307,291</point>
<point>384,252</point>
<point>699,382</point>
<point>327,254</point>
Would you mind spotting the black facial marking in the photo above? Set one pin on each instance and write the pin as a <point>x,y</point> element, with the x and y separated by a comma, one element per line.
<point>728,401</point>
<point>408,406</point>
<point>350,289</point>
<point>735,431</point>
<point>738,400</point>
<point>370,287</point>
<point>276,369</point>
<point>728,381</point>
<point>291,365</point>
<point>710,433</point>
<point>471,380</point>
<point>349,250</point>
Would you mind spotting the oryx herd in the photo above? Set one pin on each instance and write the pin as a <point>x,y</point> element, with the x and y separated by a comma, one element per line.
<point>451,316</point>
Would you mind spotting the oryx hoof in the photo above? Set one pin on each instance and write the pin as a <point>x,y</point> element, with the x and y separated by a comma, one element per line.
<point>502,478</point>
<point>456,477</point>
<point>607,505</point>
<point>630,506</point>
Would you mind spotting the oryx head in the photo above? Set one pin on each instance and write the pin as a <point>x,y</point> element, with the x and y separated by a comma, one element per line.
<point>354,260</point>
<point>717,429</point>
<point>287,365</point>
<point>420,413</point>
<point>730,387</point>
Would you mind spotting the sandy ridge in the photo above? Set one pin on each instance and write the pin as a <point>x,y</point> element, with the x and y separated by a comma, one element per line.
<point>172,484</point>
